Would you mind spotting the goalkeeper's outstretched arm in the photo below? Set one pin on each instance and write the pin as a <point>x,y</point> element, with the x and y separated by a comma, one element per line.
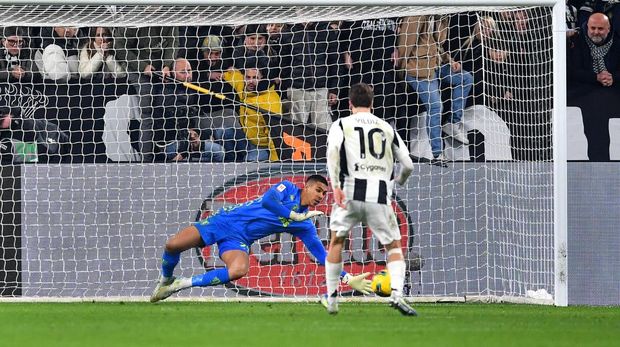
<point>272,201</point>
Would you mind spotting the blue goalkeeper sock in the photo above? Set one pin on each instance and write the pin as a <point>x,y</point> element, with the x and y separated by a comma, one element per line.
<point>168,262</point>
<point>211,278</point>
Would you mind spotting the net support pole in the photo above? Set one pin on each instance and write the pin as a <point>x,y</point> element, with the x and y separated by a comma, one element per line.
<point>560,208</point>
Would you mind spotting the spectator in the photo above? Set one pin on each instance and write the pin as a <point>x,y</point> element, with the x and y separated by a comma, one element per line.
<point>594,75</point>
<point>309,72</point>
<point>572,24</point>
<point>251,44</point>
<point>15,56</point>
<point>217,114</point>
<point>57,59</point>
<point>526,98</point>
<point>482,56</point>
<point>608,7</point>
<point>370,58</point>
<point>97,60</point>
<point>427,65</point>
<point>254,89</point>
<point>166,108</point>
<point>274,52</point>
<point>191,146</point>
<point>146,49</point>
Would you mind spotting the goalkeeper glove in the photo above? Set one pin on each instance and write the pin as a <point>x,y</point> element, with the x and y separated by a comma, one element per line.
<point>303,216</point>
<point>359,282</point>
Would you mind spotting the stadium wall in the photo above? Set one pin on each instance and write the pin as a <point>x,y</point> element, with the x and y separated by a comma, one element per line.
<point>81,239</point>
<point>140,214</point>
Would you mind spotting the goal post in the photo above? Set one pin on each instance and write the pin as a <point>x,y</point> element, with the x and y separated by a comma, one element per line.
<point>94,216</point>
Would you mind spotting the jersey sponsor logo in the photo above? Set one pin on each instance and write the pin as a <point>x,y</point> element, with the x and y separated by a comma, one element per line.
<point>280,263</point>
<point>369,168</point>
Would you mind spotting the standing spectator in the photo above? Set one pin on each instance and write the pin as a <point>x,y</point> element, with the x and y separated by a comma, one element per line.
<point>593,76</point>
<point>216,113</point>
<point>15,56</point>
<point>481,55</point>
<point>309,72</point>
<point>251,44</point>
<point>427,65</point>
<point>527,96</point>
<point>57,59</point>
<point>97,60</point>
<point>371,58</point>
<point>146,49</point>
<point>274,52</point>
<point>191,39</point>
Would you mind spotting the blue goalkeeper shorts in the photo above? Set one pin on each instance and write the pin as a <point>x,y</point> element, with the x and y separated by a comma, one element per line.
<point>212,234</point>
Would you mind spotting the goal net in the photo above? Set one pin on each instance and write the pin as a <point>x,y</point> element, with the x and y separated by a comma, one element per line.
<point>122,124</point>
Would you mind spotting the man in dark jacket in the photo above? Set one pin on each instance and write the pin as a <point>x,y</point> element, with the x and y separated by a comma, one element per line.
<point>15,56</point>
<point>309,72</point>
<point>594,79</point>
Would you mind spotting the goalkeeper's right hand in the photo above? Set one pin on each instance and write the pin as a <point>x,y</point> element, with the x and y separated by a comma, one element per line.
<point>359,282</point>
<point>303,216</point>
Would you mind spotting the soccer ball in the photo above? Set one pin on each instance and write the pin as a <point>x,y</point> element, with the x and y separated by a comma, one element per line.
<point>381,283</point>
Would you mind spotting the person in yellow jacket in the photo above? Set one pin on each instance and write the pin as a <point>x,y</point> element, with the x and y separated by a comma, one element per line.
<point>253,89</point>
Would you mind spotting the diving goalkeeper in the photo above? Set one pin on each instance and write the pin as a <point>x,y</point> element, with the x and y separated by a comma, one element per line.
<point>283,208</point>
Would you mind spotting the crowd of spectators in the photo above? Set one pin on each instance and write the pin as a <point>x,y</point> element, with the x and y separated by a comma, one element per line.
<point>302,71</point>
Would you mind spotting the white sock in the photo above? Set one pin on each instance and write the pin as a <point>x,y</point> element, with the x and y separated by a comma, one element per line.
<point>397,269</point>
<point>332,276</point>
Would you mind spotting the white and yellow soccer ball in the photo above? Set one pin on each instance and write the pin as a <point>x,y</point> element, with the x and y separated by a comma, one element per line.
<point>381,283</point>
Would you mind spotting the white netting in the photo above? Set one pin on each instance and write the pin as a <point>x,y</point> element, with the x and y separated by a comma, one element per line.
<point>104,160</point>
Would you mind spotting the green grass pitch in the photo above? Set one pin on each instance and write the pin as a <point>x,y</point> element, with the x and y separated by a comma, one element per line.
<point>291,324</point>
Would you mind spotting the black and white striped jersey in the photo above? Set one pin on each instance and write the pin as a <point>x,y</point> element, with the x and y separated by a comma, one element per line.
<point>361,152</point>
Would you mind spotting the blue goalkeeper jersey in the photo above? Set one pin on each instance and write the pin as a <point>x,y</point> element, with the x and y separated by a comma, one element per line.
<point>263,216</point>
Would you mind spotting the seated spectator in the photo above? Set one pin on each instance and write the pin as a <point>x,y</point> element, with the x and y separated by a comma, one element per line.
<point>15,56</point>
<point>593,81</point>
<point>166,108</point>
<point>254,89</point>
<point>427,65</point>
<point>97,59</point>
<point>190,145</point>
<point>57,59</point>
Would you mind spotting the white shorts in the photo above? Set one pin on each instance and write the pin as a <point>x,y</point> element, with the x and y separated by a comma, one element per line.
<point>380,218</point>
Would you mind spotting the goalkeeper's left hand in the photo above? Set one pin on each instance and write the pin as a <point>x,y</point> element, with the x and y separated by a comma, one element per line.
<point>359,282</point>
<point>303,216</point>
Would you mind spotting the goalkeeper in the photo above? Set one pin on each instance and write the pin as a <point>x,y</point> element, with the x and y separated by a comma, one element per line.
<point>283,208</point>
